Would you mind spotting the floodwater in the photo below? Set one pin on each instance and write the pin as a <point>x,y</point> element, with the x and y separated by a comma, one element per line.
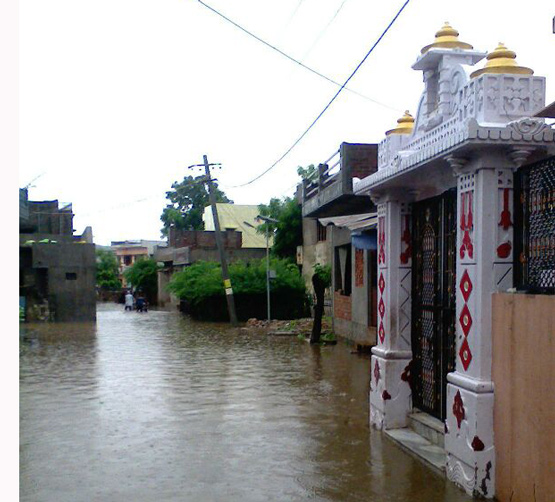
<point>156,407</point>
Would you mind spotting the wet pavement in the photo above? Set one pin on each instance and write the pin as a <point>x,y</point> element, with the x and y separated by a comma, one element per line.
<point>156,407</point>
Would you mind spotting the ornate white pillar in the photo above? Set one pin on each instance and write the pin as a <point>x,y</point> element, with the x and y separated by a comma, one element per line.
<point>390,394</point>
<point>484,265</point>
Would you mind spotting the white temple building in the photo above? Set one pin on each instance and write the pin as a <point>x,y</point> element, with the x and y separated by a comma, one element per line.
<point>449,237</point>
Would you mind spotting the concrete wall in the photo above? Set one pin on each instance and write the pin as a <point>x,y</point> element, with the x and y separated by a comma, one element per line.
<point>46,217</point>
<point>524,410</point>
<point>71,279</point>
<point>314,251</point>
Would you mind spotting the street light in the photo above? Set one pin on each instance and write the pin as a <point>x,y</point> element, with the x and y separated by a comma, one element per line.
<point>267,220</point>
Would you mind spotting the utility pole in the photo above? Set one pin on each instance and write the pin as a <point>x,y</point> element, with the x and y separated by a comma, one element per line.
<point>219,243</point>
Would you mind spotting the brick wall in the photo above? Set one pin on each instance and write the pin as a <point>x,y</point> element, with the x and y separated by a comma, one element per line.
<point>203,239</point>
<point>361,159</point>
<point>341,306</point>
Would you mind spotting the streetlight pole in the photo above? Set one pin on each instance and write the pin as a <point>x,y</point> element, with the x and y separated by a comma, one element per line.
<point>267,220</point>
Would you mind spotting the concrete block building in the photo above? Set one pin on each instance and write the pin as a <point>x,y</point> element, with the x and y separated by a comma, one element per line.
<point>56,268</point>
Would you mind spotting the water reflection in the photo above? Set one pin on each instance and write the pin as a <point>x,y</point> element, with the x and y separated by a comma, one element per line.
<point>158,407</point>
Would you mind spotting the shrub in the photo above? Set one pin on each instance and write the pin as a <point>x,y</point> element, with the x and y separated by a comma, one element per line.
<point>200,286</point>
<point>324,272</point>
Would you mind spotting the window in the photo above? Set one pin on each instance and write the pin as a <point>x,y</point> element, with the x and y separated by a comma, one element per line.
<point>321,231</point>
<point>71,276</point>
<point>535,227</point>
<point>127,260</point>
<point>342,277</point>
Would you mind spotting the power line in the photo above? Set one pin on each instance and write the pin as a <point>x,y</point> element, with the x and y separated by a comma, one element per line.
<point>279,51</point>
<point>317,39</point>
<point>299,139</point>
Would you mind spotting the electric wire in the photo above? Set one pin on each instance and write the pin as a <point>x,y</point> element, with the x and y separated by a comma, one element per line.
<point>330,22</point>
<point>300,138</point>
<point>279,51</point>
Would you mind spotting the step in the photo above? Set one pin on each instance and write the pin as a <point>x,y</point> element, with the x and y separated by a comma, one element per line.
<point>428,427</point>
<point>420,447</point>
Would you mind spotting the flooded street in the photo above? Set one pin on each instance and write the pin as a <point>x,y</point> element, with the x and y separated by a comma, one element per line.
<point>156,407</point>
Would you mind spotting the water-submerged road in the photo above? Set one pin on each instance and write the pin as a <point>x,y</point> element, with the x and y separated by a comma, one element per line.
<point>156,407</point>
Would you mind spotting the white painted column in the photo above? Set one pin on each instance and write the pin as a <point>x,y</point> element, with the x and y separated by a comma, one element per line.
<point>390,394</point>
<point>484,265</point>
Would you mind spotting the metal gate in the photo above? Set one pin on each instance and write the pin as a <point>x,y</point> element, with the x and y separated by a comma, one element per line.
<point>433,300</point>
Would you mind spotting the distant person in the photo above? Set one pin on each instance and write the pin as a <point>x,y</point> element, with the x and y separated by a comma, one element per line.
<point>141,304</point>
<point>129,301</point>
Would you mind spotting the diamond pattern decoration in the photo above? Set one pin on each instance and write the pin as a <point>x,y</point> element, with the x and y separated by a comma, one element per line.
<point>465,354</point>
<point>465,319</point>
<point>458,408</point>
<point>466,285</point>
<point>381,283</point>
<point>377,372</point>
<point>381,308</point>
<point>381,332</point>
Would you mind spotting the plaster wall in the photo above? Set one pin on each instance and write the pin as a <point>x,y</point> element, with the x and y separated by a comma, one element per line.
<point>314,251</point>
<point>72,297</point>
<point>524,407</point>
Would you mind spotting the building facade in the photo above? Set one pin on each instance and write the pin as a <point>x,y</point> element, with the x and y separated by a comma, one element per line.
<point>334,235</point>
<point>130,252</point>
<point>445,194</point>
<point>56,268</point>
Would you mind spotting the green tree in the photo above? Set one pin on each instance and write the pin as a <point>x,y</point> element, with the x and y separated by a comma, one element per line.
<point>308,173</point>
<point>143,276</point>
<point>107,270</point>
<point>187,201</point>
<point>289,229</point>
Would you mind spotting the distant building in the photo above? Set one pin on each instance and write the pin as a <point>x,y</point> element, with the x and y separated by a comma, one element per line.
<point>241,218</point>
<point>129,252</point>
<point>56,268</point>
<point>240,239</point>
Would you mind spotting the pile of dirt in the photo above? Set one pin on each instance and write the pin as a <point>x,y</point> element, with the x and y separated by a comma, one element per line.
<point>293,327</point>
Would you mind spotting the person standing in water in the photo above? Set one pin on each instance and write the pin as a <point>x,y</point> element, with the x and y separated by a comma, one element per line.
<point>129,300</point>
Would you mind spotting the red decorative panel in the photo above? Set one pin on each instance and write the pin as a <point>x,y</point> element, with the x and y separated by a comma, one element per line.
<point>466,285</point>
<point>359,268</point>
<point>467,224</point>
<point>465,354</point>
<point>381,283</point>
<point>465,319</point>
<point>458,409</point>
<point>505,217</point>
<point>386,395</point>
<point>381,332</point>
<point>377,372</point>
<point>406,238</point>
<point>381,240</point>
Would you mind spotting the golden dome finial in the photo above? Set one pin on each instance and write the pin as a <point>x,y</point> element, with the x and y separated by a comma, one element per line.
<point>502,60</point>
<point>405,125</point>
<point>447,38</point>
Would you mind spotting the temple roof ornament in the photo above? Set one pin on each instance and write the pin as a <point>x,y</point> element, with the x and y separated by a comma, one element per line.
<point>502,60</point>
<point>405,125</point>
<point>447,38</point>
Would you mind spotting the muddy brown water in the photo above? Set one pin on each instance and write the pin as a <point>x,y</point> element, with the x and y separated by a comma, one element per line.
<point>156,407</point>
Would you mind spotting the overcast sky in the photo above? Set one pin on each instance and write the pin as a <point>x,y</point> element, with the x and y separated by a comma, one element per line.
<point>118,97</point>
